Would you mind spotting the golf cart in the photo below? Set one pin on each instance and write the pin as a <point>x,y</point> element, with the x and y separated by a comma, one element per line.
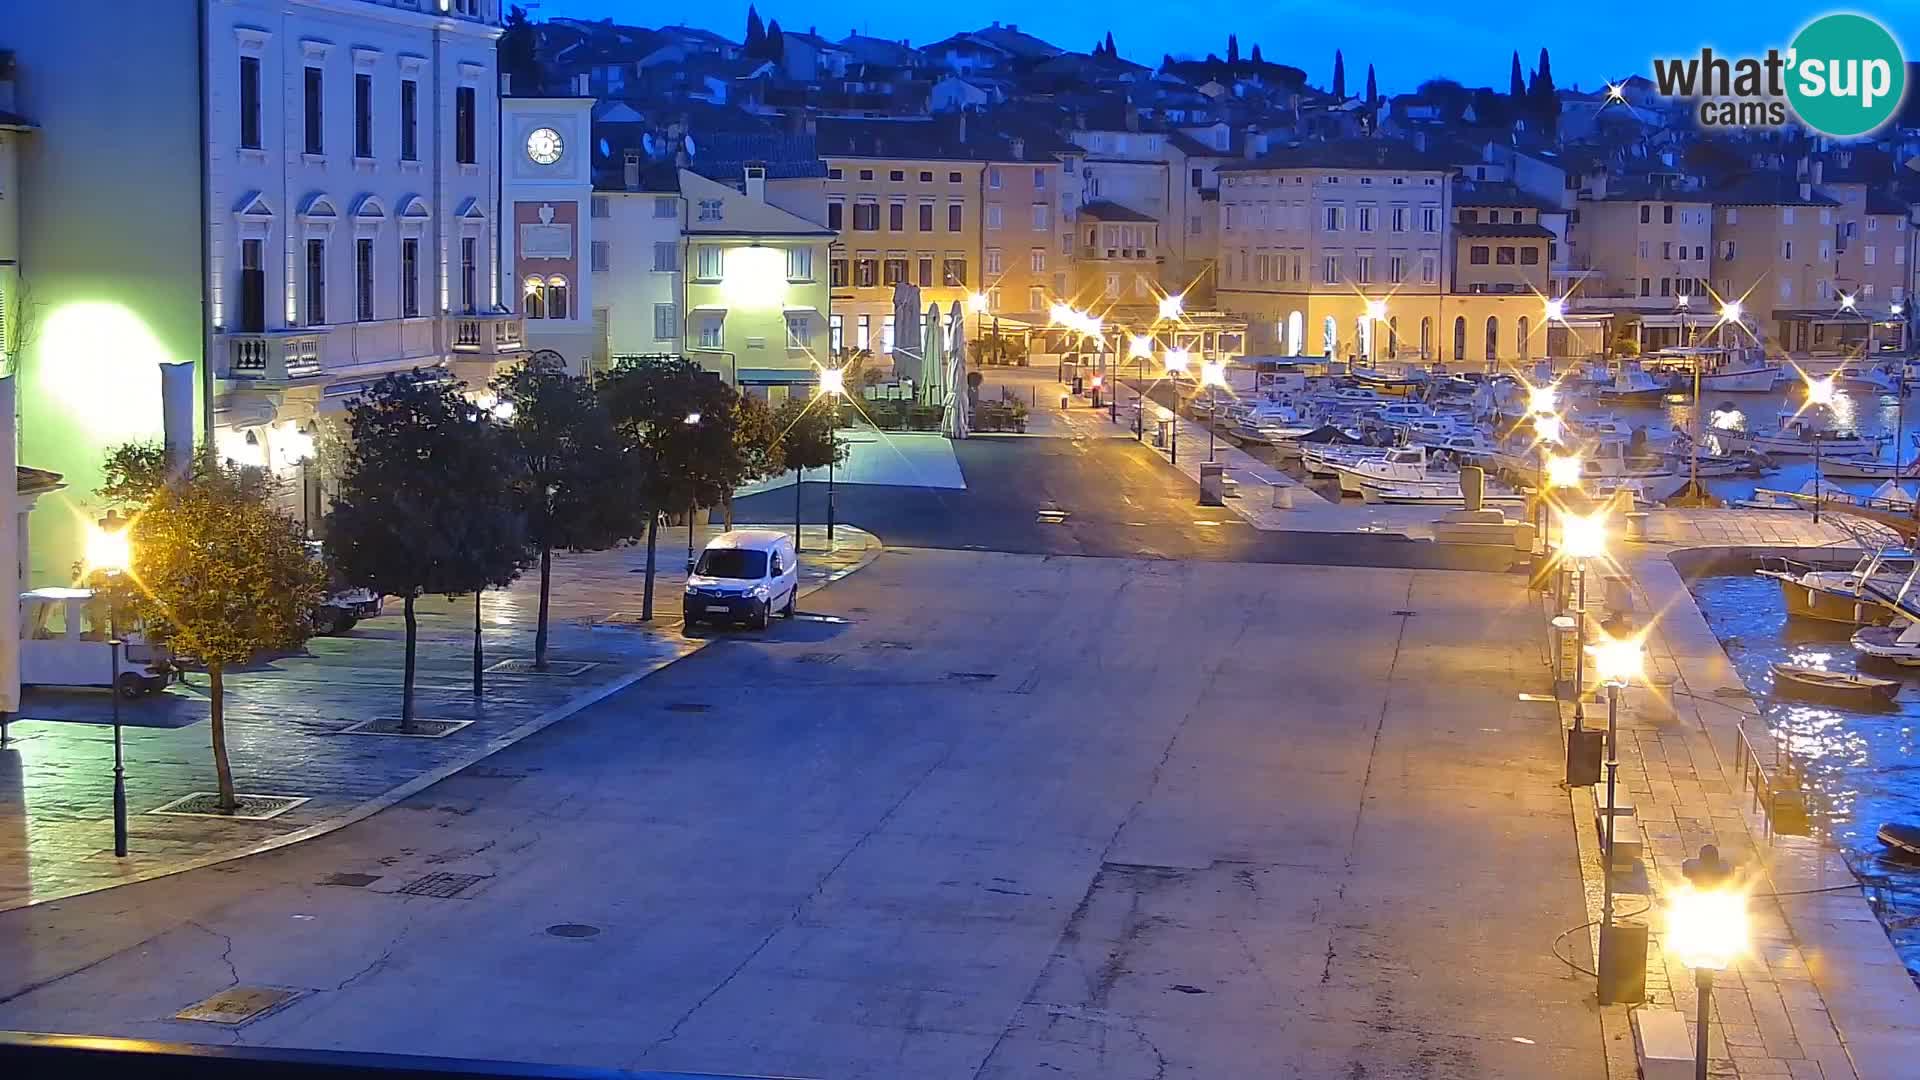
<point>64,642</point>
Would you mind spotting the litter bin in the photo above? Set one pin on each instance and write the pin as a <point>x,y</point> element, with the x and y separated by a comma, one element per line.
<point>1637,525</point>
<point>1160,430</point>
<point>1282,497</point>
<point>1212,490</point>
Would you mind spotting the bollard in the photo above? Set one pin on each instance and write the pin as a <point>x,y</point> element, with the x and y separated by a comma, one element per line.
<point>1637,525</point>
<point>1473,486</point>
<point>1282,497</point>
<point>1063,401</point>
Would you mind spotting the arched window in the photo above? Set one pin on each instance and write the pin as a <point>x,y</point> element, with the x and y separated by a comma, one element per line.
<point>1524,325</point>
<point>557,297</point>
<point>535,302</point>
<point>1363,337</point>
<point>1460,337</point>
<point>1493,337</point>
<point>1393,338</point>
<point>1296,333</point>
<point>1426,337</point>
<point>1330,337</point>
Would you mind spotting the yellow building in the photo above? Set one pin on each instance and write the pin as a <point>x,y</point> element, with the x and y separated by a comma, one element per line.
<point>903,198</point>
<point>1499,244</point>
<point>1773,251</point>
<point>756,295</point>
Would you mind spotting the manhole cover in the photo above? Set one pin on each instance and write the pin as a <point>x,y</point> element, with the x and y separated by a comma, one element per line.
<point>251,808</point>
<point>441,886</point>
<point>421,728</point>
<point>351,881</point>
<point>818,658</point>
<point>971,676</point>
<point>572,930</point>
<point>688,706</point>
<point>564,669</point>
<point>236,1005</point>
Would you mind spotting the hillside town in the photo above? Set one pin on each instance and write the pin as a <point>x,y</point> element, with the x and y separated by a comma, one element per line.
<point>542,544</point>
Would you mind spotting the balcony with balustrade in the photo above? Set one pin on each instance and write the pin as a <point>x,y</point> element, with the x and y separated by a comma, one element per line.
<point>498,334</point>
<point>318,354</point>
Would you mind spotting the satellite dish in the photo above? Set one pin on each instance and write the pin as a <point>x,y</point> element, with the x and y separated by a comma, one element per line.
<point>605,149</point>
<point>688,139</point>
<point>646,142</point>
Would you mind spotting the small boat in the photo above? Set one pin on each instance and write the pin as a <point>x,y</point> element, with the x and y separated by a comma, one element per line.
<point>1633,383</point>
<point>1854,468</point>
<point>1904,839</point>
<point>1878,380</point>
<point>1894,644</point>
<point>1836,595</point>
<point>1834,687</point>
<point>1800,434</point>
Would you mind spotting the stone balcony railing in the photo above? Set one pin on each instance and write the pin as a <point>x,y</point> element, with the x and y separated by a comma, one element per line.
<point>275,356</point>
<point>493,334</point>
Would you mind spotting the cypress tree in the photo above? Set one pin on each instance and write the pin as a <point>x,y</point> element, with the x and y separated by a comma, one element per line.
<point>1339,75</point>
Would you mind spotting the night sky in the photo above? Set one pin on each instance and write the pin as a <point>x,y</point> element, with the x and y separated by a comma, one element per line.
<point>1407,40</point>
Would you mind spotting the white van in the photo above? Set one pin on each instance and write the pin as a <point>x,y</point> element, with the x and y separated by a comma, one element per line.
<point>744,576</point>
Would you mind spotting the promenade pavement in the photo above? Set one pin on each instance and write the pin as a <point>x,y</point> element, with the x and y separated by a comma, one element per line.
<point>286,718</point>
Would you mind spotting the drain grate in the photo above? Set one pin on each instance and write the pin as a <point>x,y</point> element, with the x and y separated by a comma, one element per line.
<point>441,885</point>
<point>351,881</point>
<point>1403,611</point>
<point>422,727</point>
<point>1050,516</point>
<point>252,807</point>
<point>560,669</point>
<point>688,706</point>
<point>236,1005</point>
<point>818,658</point>
<point>572,930</point>
<point>971,676</point>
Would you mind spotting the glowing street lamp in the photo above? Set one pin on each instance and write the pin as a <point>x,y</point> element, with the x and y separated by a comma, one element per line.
<point>1542,400</point>
<point>1176,369</point>
<point>1563,471</point>
<point>1683,301</point>
<point>1177,362</point>
<point>1139,347</point>
<point>692,420</point>
<point>1731,310</point>
<point>1617,662</point>
<point>1847,302</point>
<point>1706,931</point>
<point>977,303</point>
<point>1556,309</point>
<point>1582,537</point>
<point>1213,374</point>
<point>1172,306</point>
<point>1549,427</point>
<point>1820,391</point>
<point>833,384</point>
<point>109,550</point>
<point>1058,313</point>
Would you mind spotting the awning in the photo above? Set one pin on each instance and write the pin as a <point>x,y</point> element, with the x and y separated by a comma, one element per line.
<point>778,376</point>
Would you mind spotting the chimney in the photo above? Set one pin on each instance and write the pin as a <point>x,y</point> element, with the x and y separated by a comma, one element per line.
<point>506,84</point>
<point>1133,118</point>
<point>963,126</point>
<point>632,170</point>
<point>757,181</point>
<point>1019,148</point>
<point>1819,170</point>
<point>1806,190</point>
<point>581,87</point>
<point>6,79</point>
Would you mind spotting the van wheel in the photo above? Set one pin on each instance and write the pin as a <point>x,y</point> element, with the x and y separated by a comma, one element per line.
<point>792,595</point>
<point>762,618</point>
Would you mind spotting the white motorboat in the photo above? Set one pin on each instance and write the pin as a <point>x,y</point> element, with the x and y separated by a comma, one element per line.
<point>1884,379</point>
<point>1633,383</point>
<point>1720,370</point>
<point>1324,459</point>
<point>1895,644</point>
<point>1868,468</point>
<point>1797,436</point>
<point>1762,379</point>
<point>1402,464</point>
<point>1257,423</point>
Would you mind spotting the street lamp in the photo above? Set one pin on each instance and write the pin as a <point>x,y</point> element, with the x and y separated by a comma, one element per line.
<point>1542,400</point>
<point>1376,314</point>
<point>833,383</point>
<point>1617,662</point>
<point>1176,370</point>
<point>1563,470</point>
<point>1172,306</point>
<point>1582,538</point>
<point>110,550</point>
<point>1706,930</point>
<point>1820,396</point>
<point>1213,374</point>
<point>693,420</point>
<point>1549,428</point>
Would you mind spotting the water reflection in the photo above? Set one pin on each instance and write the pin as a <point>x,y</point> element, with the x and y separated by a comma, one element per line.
<point>1862,768</point>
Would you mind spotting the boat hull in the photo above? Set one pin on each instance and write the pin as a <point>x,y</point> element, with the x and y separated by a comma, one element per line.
<point>1882,643</point>
<point>1857,693</point>
<point>1749,381</point>
<point>1823,605</point>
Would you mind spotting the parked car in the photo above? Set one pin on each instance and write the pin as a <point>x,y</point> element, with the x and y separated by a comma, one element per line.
<point>743,576</point>
<point>64,642</point>
<point>344,605</point>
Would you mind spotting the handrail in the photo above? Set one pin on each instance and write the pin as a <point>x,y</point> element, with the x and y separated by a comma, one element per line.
<point>29,1054</point>
<point>1768,782</point>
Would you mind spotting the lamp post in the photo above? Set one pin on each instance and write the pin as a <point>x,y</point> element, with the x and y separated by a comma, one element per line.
<point>1176,368</point>
<point>1707,930</point>
<point>1213,374</point>
<point>1139,349</point>
<point>1581,539</point>
<point>1819,397</point>
<point>1617,661</point>
<point>833,383</point>
<point>1376,314</point>
<point>109,550</point>
<point>693,420</point>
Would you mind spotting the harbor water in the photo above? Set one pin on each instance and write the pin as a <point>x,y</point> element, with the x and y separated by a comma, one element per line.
<point>1862,768</point>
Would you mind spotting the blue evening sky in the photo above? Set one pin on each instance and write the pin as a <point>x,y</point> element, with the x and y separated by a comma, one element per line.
<point>1407,40</point>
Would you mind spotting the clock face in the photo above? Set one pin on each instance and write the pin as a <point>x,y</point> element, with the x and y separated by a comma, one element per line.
<point>544,145</point>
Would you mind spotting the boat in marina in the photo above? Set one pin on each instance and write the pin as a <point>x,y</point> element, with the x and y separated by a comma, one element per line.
<point>1324,459</point>
<point>1847,689</point>
<point>1846,468</point>
<point>1901,838</point>
<point>1837,595</point>
<point>1800,434</point>
<point>1266,421</point>
<point>1411,474</point>
<point>1884,379</point>
<point>1896,644</point>
<point>1633,383</point>
<point>1323,435</point>
<point>1740,370</point>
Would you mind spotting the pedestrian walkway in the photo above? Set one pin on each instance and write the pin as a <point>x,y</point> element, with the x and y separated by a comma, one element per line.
<point>286,719</point>
<point>892,458</point>
<point>1821,992</point>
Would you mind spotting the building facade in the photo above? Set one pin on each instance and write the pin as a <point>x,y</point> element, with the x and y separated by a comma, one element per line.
<point>550,246</point>
<point>638,260</point>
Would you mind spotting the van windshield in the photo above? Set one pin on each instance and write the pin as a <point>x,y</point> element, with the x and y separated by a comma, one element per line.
<point>741,563</point>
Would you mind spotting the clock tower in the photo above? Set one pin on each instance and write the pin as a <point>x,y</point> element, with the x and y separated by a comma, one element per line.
<point>546,170</point>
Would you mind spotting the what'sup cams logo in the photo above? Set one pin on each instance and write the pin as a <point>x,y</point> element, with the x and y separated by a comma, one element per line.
<point>1843,76</point>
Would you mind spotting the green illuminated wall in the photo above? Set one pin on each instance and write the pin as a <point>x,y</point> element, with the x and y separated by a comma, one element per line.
<point>110,241</point>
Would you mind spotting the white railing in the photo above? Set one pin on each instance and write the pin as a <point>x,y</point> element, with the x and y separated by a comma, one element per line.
<point>493,334</point>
